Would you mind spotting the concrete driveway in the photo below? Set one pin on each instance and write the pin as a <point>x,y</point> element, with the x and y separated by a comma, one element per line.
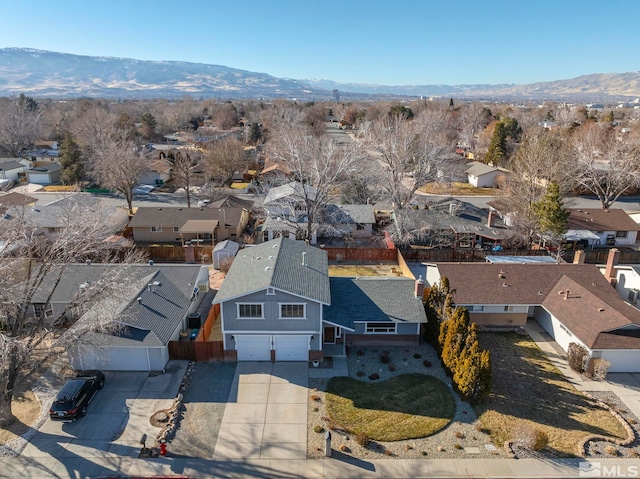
<point>117,417</point>
<point>266,413</point>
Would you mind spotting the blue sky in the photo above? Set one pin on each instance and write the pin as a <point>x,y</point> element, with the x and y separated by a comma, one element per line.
<point>384,42</point>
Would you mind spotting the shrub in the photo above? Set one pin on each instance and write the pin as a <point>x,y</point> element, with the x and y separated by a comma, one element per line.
<point>427,363</point>
<point>318,428</point>
<point>525,435</point>
<point>374,376</point>
<point>459,435</point>
<point>360,374</point>
<point>600,369</point>
<point>392,367</point>
<point>385,358</point>
<point>388,452</point>
<point>344,448</point>
<point>577,357</point>
<point>315,397</point>
<point>315,409</point>
<point>424,453</point>
<point>458,446</point>
<point>408,447</point>
<point>611,451</point>
<point>417,356</point>
<point>634,454</point>
<point>362,439</point>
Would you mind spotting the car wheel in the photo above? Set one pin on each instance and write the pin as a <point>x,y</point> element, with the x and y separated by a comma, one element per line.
<point>101,383</point>
<point>83,411</point>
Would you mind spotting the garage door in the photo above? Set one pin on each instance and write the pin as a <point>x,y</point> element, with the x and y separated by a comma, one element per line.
<point>292,348</point>
<point>623,361</point>
<point>253,348</point>
<point>113,359</point>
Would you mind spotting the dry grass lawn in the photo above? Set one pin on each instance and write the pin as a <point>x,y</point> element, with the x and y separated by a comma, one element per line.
<point>456,189</point>
<point>404,407</point>
<point>351,270</point>
<point>26,408</point>
<point>527,387</point>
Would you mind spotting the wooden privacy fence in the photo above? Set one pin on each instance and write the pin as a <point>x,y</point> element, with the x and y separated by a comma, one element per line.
<point>176,254</point>
<point>196,350</point>
<point>364,255</point>
<point>599,256</point>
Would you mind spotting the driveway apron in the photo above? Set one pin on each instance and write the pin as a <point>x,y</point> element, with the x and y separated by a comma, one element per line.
<point>266,414</point>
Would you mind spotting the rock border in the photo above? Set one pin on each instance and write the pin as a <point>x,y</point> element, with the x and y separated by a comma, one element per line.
<point>175,411</point>
<point>631,434</point>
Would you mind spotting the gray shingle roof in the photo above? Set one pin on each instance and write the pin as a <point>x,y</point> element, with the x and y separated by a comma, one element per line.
<point>173,216</point>
<point>479,169</point>
<point>293,191</point>
<point>349,214</point>
<point>373,299</point>
<point>11,165</point>
<point>278,264</point>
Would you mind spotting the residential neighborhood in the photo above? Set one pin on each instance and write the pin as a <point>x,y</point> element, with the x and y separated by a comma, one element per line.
<point>319,286</point>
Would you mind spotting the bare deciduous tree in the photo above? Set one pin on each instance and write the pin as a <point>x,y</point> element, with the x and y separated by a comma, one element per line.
<point>117,164</point>
<point>222,159</point>
<point>19,123</point>
<point>474,118</point>
<point>410,153</point>
<point>320,164</point>
<point>606,162</point>
<point>31,267</point>
<point>182,170</point>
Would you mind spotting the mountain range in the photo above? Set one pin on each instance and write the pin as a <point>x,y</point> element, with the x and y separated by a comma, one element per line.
<point>41,73</point>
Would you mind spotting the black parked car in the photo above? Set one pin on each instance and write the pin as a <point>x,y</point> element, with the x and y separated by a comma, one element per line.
<point>74,397</point>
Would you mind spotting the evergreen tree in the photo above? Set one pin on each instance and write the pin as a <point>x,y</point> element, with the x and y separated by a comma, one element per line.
<point>71,163</point>
<point>255,132</point>
<point>149,124</point>
<point>551,216</point>
<point>497,151</point>
<point>454,338</point>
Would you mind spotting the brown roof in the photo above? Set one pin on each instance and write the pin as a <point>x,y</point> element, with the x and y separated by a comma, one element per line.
<point>173,216</point>
<point>199,226</point>
<point>541,284</point>
<point>16,199</point>
<point>597,219</point>
<point>627,338</point>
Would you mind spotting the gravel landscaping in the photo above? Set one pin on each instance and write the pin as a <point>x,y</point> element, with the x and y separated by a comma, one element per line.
<point>204,403</point>
<point>461,439</point>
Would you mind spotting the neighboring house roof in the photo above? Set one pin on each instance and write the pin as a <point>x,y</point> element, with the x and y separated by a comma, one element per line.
<point>466,218</point>
<point>11,165</point>
<point>184,276</point>
<point>15,199</point>
<point>278,264</point>
<point>295,190</point>
<point>349,214</point>
<point>48,168</point>
<point>175,216</point>
<point>199,226</point>
<point>231,202</point>
<point>373,299</point>
<point>597,219</point>
<point>227,245</point>
<point>546,285</point>
<point>58,213</point>
<point>478,169</point>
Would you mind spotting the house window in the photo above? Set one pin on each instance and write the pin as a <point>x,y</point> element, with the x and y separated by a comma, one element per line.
<point>380,328</point>
<point>176,229</point>
<point>156,229</point>
<point>621,234</point>
<point>250,310</point>
<point>42,310</point>
<point>292,311</point>
<point>271,291</point>
<point>359,227</point>
<point>508,309</point>
<point>473,307</point>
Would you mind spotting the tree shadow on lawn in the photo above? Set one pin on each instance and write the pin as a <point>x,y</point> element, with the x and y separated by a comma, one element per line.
<point>526,386</point>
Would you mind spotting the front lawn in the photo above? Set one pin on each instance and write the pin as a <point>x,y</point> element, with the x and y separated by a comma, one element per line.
<point>409,406</point>
<point>528,390</point>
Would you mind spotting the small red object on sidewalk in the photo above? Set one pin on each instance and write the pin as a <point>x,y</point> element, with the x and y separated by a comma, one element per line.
<point>163,448</point>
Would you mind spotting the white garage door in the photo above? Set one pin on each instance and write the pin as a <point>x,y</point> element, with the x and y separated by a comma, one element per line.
<point>292,348</point>
<point>253,348</point>
<point>113,359</point>
<point>623,361</point>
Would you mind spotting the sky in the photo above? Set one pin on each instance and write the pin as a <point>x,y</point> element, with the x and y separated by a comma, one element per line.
<point>393,42</point>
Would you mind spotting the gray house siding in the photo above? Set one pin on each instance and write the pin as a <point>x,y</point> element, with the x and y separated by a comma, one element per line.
<point>271,312</point>
<point>401,328</point>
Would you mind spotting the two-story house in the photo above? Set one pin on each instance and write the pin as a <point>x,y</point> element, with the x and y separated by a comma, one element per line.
<point>277,303</point>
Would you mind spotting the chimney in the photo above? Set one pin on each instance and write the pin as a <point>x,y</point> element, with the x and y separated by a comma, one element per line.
<point>452,209</point>
<point>578,258</point>
<point>419,288</point>
<point>566,294</point>
<point>150,262</point>
<point>304,258</point>
<point>612,262</point>
<point>139,300</point>
<point>491,219</point>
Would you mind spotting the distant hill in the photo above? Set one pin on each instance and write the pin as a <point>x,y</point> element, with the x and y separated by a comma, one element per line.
<point>59,75</point>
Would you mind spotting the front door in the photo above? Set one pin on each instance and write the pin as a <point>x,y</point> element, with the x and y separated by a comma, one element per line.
<point>330,334</point>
